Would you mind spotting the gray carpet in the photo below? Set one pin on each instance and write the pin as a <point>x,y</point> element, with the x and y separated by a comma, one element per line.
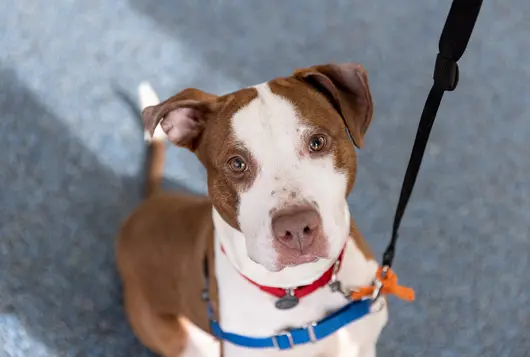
<point>72,154</point>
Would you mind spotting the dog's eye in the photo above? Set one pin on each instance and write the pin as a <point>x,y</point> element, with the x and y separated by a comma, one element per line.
<point>237,164</point>
<point>317,143</point>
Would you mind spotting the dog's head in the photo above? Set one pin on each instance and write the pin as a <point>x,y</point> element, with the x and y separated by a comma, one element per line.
<point>279,159</point>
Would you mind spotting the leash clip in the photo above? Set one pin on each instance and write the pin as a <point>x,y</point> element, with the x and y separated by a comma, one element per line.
<point>335,285</point>
<point>378,284</point>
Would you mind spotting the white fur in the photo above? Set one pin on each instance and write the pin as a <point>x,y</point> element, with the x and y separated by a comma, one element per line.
<point>148,97</point>
<point>246,310</point>
<point>271,130</point>
<point>199,343</point>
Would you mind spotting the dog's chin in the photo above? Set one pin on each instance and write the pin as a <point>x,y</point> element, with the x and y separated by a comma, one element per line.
<point>281,264</point>
<point>291,263</point>
<point>297,261</point>
<point>302,260</point>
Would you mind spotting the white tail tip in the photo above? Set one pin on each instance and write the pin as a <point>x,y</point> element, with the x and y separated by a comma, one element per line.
<point>148,97</point>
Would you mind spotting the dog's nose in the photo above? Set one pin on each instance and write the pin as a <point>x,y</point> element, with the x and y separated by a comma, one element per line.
<point>296,227</point>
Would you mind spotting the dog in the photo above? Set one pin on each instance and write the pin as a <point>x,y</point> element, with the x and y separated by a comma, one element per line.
<point>264,260</point>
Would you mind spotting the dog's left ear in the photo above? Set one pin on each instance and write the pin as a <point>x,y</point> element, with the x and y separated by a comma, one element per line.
<point>347,87</point>
<point>183,117</point>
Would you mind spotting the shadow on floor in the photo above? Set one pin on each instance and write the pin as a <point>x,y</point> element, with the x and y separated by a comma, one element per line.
<point>60,212</point>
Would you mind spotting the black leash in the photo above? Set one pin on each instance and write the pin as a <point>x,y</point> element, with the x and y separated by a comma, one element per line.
<point>453,41</point>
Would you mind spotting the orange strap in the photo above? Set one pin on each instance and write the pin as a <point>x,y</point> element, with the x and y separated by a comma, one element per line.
<point>390,287</point>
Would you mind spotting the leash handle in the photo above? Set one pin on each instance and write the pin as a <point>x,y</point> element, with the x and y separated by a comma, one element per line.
<point>453,42</point>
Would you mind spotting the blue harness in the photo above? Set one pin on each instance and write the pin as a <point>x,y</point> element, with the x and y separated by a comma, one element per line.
<point>289,338</point>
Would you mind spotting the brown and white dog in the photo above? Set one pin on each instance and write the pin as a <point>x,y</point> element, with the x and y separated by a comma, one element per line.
<point>280,163</point>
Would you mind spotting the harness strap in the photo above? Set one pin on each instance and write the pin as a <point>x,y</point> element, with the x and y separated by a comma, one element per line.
<point>290,337</point>
<point>453,42</point>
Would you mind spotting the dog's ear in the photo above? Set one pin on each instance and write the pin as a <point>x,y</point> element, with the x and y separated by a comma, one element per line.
<point>346,85</point>
<point>182,117</point>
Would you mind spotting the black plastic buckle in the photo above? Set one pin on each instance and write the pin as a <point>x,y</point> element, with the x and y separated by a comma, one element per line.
<point>446,73</point>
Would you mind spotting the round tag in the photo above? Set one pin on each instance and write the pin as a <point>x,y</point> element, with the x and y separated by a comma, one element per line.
<point>286,302</point>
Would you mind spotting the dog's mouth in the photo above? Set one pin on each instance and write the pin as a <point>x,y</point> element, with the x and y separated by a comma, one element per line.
<point>301,259</point>
<point>291,261</point>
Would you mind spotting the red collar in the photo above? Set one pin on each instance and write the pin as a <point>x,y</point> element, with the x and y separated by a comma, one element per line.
<point>304,290</point>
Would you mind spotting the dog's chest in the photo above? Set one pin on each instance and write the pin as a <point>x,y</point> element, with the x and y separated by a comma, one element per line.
<point>246,310</point>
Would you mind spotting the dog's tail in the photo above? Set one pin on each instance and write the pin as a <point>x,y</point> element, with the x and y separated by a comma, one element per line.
<point>156,143</point>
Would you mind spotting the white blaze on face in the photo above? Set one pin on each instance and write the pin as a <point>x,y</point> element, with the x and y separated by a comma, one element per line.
<point>271,130</point>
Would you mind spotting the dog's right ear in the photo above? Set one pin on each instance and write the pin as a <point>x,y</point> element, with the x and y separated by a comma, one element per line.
<point>347,87</point>
<point>182,117</point>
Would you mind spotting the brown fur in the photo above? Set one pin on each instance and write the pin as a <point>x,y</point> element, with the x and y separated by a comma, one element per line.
<point>161,246</point>
<point>160,252</point>
<point>217,147</point>
<point>155,167</point>
<point>324,118</point>
<point>347,87</point>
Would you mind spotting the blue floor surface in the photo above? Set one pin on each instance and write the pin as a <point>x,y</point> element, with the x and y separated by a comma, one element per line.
<point>72,155</point>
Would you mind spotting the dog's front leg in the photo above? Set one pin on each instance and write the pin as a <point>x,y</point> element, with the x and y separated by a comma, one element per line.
<point>368,351</point>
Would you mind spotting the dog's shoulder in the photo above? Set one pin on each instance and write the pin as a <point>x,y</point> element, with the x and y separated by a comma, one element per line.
<point>162,243</point>
<point>359,241</point>
<point>162,211</point>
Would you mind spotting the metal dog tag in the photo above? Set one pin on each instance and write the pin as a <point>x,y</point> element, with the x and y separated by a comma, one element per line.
<point>287,302</point>
<point>335,286</point>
